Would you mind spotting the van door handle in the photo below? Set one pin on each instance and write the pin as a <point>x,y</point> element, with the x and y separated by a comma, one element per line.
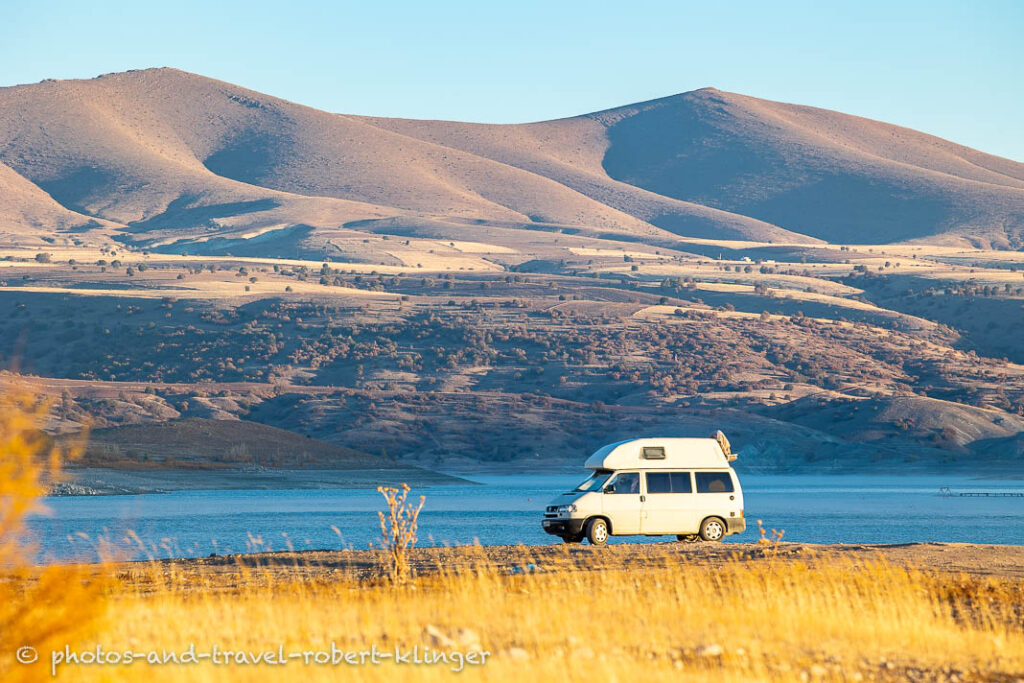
<point>643,498</point>
<point>732,497</point>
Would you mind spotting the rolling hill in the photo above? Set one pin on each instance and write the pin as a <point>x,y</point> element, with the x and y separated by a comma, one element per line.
<point>175,162</point>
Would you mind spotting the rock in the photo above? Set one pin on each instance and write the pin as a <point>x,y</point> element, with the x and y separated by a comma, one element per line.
<point>467,639</point>
<point>516,654</point>
<point>818,671</point>
<point>709,650</point>
<point>71,489</point>
<point>435,638</point>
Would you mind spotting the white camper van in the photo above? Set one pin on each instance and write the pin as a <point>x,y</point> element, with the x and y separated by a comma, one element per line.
<point>654,487</point>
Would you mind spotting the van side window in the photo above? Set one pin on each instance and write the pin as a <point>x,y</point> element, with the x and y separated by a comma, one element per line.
<point>668,482</point>
<point>627,482</point>
<point>681,482</point>
<point>714,482</point>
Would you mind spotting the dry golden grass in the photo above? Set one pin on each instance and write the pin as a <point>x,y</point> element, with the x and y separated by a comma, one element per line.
<point>40,608</point>
<point>745,620</point>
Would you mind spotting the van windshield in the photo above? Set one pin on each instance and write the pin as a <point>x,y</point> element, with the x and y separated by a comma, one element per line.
<point>594,482</point>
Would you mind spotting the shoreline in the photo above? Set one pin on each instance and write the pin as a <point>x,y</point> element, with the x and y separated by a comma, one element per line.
<point>101,481</point>
<point>978,560</point>
<point>106,481</point>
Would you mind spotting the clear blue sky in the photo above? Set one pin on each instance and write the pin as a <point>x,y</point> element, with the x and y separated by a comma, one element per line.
<point>954,69</point>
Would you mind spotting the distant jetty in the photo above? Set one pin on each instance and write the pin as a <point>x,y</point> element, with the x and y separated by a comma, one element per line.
<point>945,492</point>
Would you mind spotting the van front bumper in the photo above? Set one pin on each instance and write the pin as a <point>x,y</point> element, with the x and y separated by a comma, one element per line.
<point>563,527</point>
<point>735,525</point>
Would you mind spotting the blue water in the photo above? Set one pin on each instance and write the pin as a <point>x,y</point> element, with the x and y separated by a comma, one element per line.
<point>507,510</point>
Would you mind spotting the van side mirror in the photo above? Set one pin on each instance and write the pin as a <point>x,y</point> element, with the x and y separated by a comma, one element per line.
<point>610,488</point>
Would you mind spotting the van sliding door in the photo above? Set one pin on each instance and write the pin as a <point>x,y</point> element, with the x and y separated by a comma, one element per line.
<point>669,505</point>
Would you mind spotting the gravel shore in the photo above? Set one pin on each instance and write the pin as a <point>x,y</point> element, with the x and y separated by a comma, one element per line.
<point>1001,561</point>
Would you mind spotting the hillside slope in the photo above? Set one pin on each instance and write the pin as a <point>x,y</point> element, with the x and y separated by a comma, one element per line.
<point>174,161</point>
<point>27,211</point>
<point>836,177</point>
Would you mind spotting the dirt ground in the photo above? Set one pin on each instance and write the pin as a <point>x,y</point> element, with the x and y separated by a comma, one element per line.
<point>997,561</point>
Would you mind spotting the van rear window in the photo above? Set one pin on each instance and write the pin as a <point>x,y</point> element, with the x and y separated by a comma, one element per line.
<point>668,482</point>
<point>713,482</point>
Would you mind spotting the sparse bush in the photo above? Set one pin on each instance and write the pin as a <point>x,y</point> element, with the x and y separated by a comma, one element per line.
<point>398,529</point>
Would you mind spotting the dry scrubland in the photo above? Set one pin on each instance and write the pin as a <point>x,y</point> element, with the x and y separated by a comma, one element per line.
<point>893,356</point>
<point>754,612</point>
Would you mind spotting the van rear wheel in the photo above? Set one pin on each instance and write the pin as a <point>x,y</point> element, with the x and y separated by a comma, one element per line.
<point>712,529</point>
<point>597,531</point>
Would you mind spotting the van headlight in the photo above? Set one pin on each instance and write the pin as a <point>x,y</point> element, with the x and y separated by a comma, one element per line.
<point>566,509</point>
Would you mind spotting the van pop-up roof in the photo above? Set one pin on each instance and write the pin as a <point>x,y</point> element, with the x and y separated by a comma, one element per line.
<point>663,453</point>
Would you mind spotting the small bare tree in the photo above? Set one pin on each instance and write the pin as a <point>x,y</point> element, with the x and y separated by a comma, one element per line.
<point>398,529</point>
<point>771,544</point>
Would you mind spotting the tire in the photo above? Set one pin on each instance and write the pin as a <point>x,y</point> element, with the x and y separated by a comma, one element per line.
<point>712,529</point>
<point>572,539</point>
<point>687,538</point>
<point>597,531</point>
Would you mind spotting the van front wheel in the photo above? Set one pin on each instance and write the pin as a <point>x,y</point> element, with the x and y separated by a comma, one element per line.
<point>712,529</point>
<point>597,531</point>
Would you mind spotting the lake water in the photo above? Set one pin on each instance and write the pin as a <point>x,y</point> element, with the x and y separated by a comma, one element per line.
<point>507,509</point>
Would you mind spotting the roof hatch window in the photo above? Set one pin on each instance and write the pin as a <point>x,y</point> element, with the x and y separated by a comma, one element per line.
<point>653,453</point>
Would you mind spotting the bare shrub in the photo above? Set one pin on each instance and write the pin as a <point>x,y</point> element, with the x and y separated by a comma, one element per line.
<point>398,529</point>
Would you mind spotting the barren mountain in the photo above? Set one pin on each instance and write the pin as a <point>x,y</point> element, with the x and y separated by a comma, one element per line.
<point>172,161</point>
